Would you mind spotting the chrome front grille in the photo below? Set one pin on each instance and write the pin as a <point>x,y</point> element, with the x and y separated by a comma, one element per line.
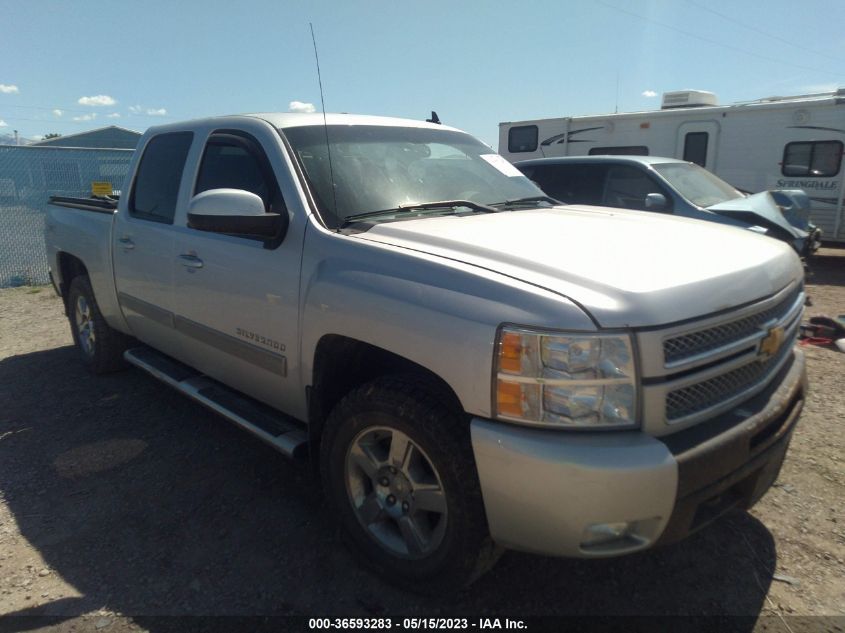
<point>718,362</point>
<point>681,348</point>
<point>724,387</point>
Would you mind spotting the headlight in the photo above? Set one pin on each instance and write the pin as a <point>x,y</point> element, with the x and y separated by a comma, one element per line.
<point>565,380</point>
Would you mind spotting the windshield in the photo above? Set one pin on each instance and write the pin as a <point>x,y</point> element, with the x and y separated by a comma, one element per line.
<point>696,184</point>
<point>379,167</point>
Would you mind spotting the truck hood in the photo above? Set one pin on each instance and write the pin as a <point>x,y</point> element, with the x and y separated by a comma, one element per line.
<point>625,268</point>
<point>759,208</point>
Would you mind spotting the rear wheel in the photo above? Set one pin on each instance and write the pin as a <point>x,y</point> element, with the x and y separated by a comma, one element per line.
<point>399,474</point>
<point>100,346</point>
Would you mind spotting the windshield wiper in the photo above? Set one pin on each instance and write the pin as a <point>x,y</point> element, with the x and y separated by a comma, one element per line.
<point>405,208</point>
<point>525,202</point>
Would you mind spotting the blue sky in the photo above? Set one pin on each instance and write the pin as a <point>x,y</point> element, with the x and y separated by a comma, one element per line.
<point>70,66</point>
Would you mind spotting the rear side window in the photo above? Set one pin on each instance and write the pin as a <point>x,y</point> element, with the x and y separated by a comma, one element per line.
<point>522,138</point>
<point>814,158</point>
<point>159,176</point>
<point>695,148</point>
<point>573,184</point>
<point>626,150</point>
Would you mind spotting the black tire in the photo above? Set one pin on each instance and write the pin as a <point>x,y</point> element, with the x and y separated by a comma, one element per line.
<point>441,435</point>
<point>103,352</point>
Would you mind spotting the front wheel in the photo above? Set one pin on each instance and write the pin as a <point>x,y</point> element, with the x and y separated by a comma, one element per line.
<point>399,474</point>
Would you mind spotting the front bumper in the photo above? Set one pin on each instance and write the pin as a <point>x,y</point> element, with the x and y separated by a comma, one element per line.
<point>550,492</point>
<point>814,239</point>
<point>808,244</point>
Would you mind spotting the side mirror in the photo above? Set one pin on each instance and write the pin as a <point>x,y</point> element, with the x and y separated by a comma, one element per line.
<point>233,211</point>
<point>655,202</point>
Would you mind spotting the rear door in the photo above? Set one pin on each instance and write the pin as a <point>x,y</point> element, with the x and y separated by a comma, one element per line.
<point>572,184</point>
<point>236,297</point>
<point>697,142</point>
<point>144,240</point>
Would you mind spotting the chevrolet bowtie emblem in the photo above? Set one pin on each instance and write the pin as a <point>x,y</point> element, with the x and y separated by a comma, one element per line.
<point>770,345</point>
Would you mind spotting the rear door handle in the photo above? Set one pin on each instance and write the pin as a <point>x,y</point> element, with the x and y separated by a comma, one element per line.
<point>190,261</point>
<point>126,242</point>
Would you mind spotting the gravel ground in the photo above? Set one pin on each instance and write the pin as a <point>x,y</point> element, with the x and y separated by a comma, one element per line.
<point>120,498</point>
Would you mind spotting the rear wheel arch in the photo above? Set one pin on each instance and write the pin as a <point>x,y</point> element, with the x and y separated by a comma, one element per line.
<point>100,347</point>
<point>69,267</point>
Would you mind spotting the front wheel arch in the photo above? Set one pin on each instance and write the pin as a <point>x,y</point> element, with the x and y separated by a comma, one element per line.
<point>413,408</point>
<point>342,364</point>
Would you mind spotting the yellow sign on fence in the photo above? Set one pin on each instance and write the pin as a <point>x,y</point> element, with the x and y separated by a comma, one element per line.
<point>101,189</point>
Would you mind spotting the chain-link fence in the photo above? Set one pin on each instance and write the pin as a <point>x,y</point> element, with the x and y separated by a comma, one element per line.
<point>28,177</point>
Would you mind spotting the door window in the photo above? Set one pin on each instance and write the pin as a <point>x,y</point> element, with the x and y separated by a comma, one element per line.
<point>236,161</point>
<point>156,187</point>
<point>695,148</point>
<point>627,187</point>
<point>626,150</point>
<point>572,184</point>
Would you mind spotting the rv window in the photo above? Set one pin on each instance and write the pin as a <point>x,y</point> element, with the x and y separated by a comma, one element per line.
<point>522,139</point>
<point>630,150</point>
<point>695,148</point>
<point>816,158</point>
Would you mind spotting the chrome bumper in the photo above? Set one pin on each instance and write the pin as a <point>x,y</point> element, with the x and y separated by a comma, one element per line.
<point>551,492</point>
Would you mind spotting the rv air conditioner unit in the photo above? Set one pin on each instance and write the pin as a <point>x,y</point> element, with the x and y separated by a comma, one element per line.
<point>688,99</point>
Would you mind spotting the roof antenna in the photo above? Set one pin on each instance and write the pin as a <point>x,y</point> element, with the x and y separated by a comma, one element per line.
<point>325,124</point>
<point>434,118</point>
<point>616,108</point>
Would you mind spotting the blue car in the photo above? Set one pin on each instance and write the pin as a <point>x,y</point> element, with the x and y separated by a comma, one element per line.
<point>669,185</point>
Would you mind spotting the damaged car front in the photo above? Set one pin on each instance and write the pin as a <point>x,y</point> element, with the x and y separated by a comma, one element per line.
<point>778,214</point>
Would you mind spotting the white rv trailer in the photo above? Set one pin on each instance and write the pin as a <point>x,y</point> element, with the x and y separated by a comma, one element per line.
<point>774,143</point>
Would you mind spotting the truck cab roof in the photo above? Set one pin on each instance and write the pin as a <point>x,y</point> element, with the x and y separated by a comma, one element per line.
<point>284,120</point>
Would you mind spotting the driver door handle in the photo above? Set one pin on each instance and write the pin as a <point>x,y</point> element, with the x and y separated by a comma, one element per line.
<point>126,242</point>
<point>190,261</point>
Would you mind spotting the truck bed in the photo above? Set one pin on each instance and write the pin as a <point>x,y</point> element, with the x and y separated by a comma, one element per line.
<point>98,205</point>
<point>80,230</point>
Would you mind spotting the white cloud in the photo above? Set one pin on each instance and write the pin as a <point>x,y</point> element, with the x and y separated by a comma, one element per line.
<point>299,106</point>
<point>97,100</point>
<point>58,112</point>
<point>86,117</point>
<point>9,89</point>
<point>113,115</point>
<point>3,123</point>
<point>36,137</point>
<point>649,93</point>
<point>136,109</point>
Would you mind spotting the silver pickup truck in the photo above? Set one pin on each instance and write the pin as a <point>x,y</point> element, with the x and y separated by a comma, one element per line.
<point>471,365</point>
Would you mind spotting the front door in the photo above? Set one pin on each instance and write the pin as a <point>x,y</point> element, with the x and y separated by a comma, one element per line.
<point>237,298</point>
